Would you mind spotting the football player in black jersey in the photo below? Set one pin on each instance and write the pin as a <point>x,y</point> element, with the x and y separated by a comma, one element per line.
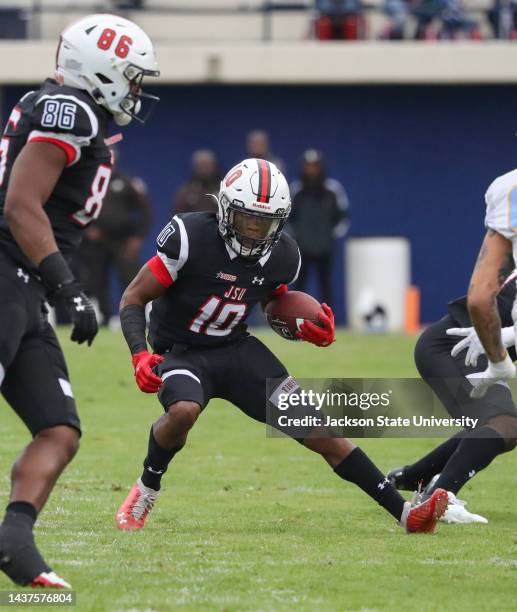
<point>55,168</point>
<point>440,360</point>
<point>209,272</point>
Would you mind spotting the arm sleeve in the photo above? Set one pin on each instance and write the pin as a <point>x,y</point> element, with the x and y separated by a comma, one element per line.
<point>132,320</point>
<point>65,121</point>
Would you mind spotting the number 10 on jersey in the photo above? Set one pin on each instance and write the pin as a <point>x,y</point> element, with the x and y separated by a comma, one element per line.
<point>218,318</point>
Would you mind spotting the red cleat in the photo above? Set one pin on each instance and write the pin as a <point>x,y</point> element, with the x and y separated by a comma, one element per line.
<point>50,580</point>
<point>137,505</point>
<point>422,517</point>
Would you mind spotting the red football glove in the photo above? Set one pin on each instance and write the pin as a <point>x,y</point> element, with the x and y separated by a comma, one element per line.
<point>144,363</point>
<point>320,336</point>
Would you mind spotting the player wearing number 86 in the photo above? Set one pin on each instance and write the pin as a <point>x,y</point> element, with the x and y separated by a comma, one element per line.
<point>209,272</point>
<point>55,168</point>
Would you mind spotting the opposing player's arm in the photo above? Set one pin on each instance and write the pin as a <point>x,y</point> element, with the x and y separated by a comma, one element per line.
<point>493,263</point>
<point>33,178</point>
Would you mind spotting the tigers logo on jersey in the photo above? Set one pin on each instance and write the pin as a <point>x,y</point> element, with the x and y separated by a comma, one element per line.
<point>227,277</point>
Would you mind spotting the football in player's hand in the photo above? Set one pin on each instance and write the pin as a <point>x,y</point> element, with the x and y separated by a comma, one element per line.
<point>287,312</point>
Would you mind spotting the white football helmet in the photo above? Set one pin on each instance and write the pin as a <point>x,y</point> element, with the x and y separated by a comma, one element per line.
<point>108,56</point>
<point>254,204</point>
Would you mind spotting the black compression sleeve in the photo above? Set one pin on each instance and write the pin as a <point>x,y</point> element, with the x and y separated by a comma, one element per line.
<point>132,320</point>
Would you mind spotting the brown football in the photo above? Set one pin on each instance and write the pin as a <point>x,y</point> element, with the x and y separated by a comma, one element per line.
<point>287,312</point>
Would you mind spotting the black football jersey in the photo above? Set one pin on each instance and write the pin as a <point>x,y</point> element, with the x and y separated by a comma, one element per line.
<point>213,290</point>
<point>69,118</point>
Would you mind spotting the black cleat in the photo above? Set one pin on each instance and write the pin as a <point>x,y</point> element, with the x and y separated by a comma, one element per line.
<point>397,478</point>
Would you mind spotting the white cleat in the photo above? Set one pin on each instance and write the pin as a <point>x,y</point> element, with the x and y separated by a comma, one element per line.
<point>50,580</point>
<point>456,512</point>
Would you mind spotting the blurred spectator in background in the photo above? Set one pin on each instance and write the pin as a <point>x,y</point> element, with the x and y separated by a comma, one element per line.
<point>319,215</point>
<point>398,13</point>
<point>451,16</point>
<point>502,17</point>
<point>196,194</point>
<point>339,20</point>
<point>257,145</point>
<point>114,240</point>
<point>425,12</point>
<point>456,23</point>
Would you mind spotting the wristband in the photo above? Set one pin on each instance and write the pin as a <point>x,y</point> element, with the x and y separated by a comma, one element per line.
<point>55,272</point>
<point>504,368</point>
<point>132,321</point>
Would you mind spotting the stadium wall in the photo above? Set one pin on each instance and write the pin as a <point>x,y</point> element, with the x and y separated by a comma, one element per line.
<point>415,159</point>
<point>299,62</point>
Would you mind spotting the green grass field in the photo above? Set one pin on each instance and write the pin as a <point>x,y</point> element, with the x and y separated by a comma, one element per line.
<point>250,523</point>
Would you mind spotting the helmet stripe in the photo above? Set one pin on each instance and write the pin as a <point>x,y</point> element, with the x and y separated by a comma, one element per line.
<point>264,186</point>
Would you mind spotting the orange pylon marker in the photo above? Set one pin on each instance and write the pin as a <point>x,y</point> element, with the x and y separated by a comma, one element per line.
<point>412,320</point>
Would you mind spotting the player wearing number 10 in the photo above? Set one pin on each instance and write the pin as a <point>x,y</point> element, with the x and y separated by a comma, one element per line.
<point>54,171</point>
<point>209,272</point>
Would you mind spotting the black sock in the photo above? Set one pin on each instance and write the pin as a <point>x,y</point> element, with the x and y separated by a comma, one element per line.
<point>432,463</point>
<point>156,463</point>
<point>21,512</point>
<point>19,558</point>
<point>359,469</point>
<point>475,452</point>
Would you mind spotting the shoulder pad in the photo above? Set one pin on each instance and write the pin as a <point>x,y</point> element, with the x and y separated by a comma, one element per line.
<point>173,246</point>
<point>287,259</point>
<point>65,114</point>
<point>501,205</point>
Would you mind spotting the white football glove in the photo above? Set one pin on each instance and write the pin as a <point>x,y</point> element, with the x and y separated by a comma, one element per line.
<point>496,372</point>
<point>472,343</point>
